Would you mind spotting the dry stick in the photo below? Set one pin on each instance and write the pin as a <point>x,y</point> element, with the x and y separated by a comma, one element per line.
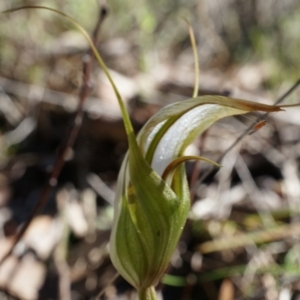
<point>212,169</point>
<point>71,137</point>
<point>242,240</point>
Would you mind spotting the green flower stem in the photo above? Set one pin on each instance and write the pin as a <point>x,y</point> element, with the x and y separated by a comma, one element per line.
<point>127,122</point>
<point>196,59</point>
<point>147,294</point>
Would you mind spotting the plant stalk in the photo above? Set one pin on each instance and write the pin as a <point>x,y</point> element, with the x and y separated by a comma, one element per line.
<point>147,294</point>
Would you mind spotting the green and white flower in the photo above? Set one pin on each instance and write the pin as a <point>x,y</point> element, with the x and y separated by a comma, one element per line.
<point>153,198</point>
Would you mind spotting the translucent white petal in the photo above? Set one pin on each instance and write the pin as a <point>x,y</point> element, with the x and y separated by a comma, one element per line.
<point>185,130</point>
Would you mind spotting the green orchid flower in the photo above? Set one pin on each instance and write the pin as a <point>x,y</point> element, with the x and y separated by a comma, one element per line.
<point>153,199</point>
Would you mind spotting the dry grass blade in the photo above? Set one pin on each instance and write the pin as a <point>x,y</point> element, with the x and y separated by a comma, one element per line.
<point>243,240</point>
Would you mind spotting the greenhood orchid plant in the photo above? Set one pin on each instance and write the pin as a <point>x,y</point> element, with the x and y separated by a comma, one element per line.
<point>152,200</point>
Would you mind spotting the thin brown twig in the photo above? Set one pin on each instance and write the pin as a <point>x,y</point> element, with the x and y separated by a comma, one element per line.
<point>213,169</point>
<point>71,136</point>
<point>197,167</point>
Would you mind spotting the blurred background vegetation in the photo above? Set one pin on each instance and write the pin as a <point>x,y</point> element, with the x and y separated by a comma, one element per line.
<point>247,48</point>
<point>228,33</point>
